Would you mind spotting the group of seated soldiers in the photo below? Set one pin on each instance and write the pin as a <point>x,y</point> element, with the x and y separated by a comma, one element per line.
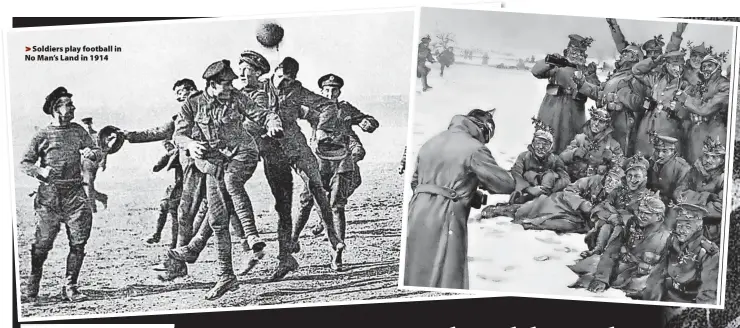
<point>652,225</point>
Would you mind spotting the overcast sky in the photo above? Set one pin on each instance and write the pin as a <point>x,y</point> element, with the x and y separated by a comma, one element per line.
<point>537,34</point>
<point>133,88</point>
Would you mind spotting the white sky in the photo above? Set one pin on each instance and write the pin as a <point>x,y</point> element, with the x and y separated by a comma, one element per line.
<point>528,34</point>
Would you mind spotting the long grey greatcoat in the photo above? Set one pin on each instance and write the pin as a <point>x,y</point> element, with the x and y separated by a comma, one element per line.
<point>437,244</point>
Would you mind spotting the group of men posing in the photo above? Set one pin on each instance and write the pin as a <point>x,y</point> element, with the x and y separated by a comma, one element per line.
<point>213,146</point>
<point>643,178</point>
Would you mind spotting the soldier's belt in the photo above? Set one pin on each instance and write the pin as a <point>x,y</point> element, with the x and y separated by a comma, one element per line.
<point>686,288</point>
<point>66,183</point>
<point>445,192</point>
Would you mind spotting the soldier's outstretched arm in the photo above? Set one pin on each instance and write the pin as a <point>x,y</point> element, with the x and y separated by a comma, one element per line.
<point>644,66</point>
<point>517,172</point>
<point>159,133</point>
<point>492,177</point>
<point>709,276</point>
<point>617,35</point>
<point>608,258</point>
<point>589,90</point>
<point>719,101</point>
<point>676,38</point>
<point>543,70</point>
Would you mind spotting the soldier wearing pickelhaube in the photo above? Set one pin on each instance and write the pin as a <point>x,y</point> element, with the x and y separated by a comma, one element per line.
<point>592,151</point>
<point>633,252</point>
<point>689,272</point>
<point>538,171</point>
<point>61,198</point>
<point>708,105</point>
<point>424,55</point>
<point>210,127</point>
<point>664,115</point>
<point>704,186</point>
<point>563,107</point>
<point>668,170</point>
<point>622,95</point>
<point>653,47</point>
<point>340,176</point>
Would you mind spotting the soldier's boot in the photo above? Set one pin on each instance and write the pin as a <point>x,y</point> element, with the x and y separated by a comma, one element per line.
<point>103,199</point>
<point>175,230</point>
<point>161,221</point>
<point>71,292</point>
<point>340,223</point>
<point>175,269</point>
<point>227,280</point>
<point>287,265</point>
<point>34,280</point>
<point>254,245</point>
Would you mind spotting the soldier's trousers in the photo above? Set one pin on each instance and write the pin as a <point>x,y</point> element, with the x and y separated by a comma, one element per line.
<point>54,205</point>
<point>168,206</point>
<point>194,190</point>
<point>278,170</point>
<point>89,174</point>
<point>218,219</point>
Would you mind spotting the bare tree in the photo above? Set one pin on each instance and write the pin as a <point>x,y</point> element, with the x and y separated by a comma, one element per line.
<point>444,40</point>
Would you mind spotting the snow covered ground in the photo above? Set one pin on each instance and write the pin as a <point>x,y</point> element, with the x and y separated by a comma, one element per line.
<point>502,256</point>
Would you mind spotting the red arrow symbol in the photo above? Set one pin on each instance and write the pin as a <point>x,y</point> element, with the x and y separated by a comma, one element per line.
<point>28,49</point>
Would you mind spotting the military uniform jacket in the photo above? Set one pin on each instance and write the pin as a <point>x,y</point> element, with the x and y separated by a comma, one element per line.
<point>204,118</point>
<point>630,91</point>
<point>58,149</point>
<point>425,54</point>
<point>258,95</point>
<point>699,185</point>
<point>663,87</point>
<point>286,102</point>
<point>619,205</point>
<point>337,120</point>
<point>667,177</point>
<point>600,148</point>
<point>689,272</point>
<point>159,133</point>
<point>711,99</point>
<point>634,252</point>
<point>527,161</point>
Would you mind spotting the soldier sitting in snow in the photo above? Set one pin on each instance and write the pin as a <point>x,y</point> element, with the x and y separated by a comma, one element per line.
<point>591,151</point>
<point>538,171</point>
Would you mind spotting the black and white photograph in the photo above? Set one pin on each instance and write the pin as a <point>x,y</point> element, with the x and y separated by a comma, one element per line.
<point>568,157</point>
<point>202,164</point>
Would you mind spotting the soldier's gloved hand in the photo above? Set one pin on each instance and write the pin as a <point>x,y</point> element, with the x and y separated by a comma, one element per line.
<point>197,149</point>
<point>124,134</point>
<point>596,287</point>
<point>369,125</point>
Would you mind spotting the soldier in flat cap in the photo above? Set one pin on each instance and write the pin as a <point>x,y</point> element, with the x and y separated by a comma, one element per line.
<point>252,66</point>
<point>707,104</point>
<point>690,270</point>
<point>668,171</point>
<point>592,151</point>
<point>210,127</point>
<point>633,253</point>
<point>562,107</point>
<point>664,76</point>
<point>61,198</point>
<point>286,96</point>
<point>424,55</point>
<point>449,169</point>
<point>704,186</point>
<point>343,176</point>
<point>90,169</point>
<point>653,47</point>
<point>538,171</point>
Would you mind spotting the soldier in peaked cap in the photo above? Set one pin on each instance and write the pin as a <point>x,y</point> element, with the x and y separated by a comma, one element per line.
<point>61,197</point>
<point>708,105</point>
<point>286,96</point>
<point>436,248</point>
<point>591,151</point>
<point>664,115</point>
<point>563,107</point>
<point>653,47</point>
<point>668,169</point>
<point>210,127</point>
<point>704,186</point>
<point>341,177</point>
<point>252,65</point>
<point>690,270</point>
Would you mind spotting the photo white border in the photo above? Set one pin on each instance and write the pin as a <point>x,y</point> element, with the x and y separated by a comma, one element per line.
<point>727,197</point>
<point>13,168</point>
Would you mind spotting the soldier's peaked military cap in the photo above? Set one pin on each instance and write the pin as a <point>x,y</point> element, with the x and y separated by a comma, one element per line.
<point>256,60</point>
<point>664,141</point>
<point>675,56</point>
<point>690,212</point>
<point>331,80</point>
<point>220,70</point>
<point>53,97</point>
<point>87,120</point>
